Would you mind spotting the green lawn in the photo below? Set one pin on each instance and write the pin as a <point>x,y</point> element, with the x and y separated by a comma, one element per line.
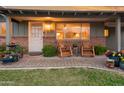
<point>71,76</point>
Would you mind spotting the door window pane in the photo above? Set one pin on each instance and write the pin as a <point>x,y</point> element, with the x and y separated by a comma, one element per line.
<point>36,31</point>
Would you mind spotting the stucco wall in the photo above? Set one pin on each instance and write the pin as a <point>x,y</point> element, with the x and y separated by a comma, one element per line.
<point>122,38</point>
<point>112,41</point>
<point>97,33</point>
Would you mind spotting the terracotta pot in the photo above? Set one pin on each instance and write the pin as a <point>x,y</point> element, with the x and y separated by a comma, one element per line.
<point>20,54</point>
<point>1,55</point>
<point>110,63</point>
<point>122,51</point>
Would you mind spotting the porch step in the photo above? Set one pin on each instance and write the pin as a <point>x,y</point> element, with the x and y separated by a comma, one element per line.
<point>35,53</point>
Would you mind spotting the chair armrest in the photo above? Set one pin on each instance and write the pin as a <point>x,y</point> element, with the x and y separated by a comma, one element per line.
<point>71,50</point>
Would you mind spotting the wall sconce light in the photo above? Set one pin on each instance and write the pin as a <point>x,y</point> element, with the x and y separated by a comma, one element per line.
<point>49,27</point>
<point>106,33</point>
<point>58,34</point>
<point>76,35</point>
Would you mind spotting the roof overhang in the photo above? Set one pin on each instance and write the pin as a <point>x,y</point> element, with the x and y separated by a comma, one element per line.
<point>62,11</point>
<point>70,8</point>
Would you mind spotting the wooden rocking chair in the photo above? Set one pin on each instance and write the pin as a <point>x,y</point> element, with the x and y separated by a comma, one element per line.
<point>64,50</point>
<point>87,49</point>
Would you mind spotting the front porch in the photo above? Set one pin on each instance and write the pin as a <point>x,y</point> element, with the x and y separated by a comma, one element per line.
<point>90,26</point>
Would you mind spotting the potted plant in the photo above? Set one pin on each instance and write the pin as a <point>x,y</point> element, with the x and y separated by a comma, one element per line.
<point>110,63</point>
<point>7,52</point>
<point>2,48</point>
<point>8,59</point>
<point>1,55</point>
<point>115,56</point>
<point>10,56</point>
<point>122,62</point>
<point>19,51</point>
<point>75,44</point>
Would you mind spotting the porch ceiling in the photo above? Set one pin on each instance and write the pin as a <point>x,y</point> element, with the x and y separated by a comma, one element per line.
<point>59,19</point>
<point>67,12</point>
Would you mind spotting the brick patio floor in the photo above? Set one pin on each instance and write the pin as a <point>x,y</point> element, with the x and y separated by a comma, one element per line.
<point>57,62</point>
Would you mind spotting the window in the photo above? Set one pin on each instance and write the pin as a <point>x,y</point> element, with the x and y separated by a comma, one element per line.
<point>2,29</point>
<point>60,31</point>
<point>73,31</point>
<point>85,31</point>
<point>20,29</point>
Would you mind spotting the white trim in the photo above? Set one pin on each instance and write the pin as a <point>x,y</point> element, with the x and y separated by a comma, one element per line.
<point>28,33</point>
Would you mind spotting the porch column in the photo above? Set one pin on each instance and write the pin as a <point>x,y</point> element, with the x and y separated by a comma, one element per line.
<point>8,30</point>
<point>0,27</point>
<point>118,33</point>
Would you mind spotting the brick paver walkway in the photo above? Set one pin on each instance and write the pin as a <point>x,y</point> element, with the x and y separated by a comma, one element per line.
<point>39,61</point>
<point>57,62</point>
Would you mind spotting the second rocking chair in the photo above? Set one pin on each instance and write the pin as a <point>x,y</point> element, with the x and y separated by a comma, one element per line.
<point>87,49</point>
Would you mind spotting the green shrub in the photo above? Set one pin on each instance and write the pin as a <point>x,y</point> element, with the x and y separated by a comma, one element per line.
<point>18,49</point>
<point>7,51</point>
<point>2,48</point>
<point>100,50</point>
<point>49,51</point>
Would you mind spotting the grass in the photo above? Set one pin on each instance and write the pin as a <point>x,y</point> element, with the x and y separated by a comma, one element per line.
<point>66,77</point>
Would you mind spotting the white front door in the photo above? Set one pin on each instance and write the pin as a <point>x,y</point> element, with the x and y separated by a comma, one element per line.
<point>35,37</point>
